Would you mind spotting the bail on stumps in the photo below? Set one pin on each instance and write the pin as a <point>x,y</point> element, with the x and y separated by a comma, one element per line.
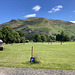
<point>32,59</point>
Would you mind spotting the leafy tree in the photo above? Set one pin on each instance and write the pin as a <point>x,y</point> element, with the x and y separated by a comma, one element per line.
<point>1,34</point>
<point>22,39</point>
<point>58,37</point>
<point>52,38</point>
<point>67,37</point>
<point>17,37</point>
<point>21,33</point>
<point>43,37</point>
<point>22,36</point>
<point>62,37</point>
<point>48,38</point>
<point>73,38</point>
<point>37,38</point>
<point>9,35</point>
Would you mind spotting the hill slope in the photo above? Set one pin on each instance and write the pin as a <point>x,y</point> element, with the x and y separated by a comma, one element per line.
<point>41,25</point>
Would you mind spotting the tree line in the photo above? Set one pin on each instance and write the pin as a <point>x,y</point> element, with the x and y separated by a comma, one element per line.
<point>8,35</point>
<point>43,38</point>
<point>63,37</point>
<point>58,37</point>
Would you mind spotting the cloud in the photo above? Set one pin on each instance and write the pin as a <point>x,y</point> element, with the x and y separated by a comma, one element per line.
<point>36,8</point>
<point>50,11</point>
<point>30,15</point>
<point>56,8</point>
<point>73,11</point>
<point>72,21</point>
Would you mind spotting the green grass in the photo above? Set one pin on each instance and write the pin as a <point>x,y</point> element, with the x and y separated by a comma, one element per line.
<point>50,56</point>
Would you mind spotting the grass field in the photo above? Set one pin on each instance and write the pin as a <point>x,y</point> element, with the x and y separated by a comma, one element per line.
<point>51,56</point>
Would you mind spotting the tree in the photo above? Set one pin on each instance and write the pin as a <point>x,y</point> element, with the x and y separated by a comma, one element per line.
<point>67,37</point>
<point>22,39</point>
<point>9,35</point>
<point>16,37</point>
<point>62,37</point>
<point>21,33</point>
<point>22,36</point>
<point>49,38</point>
<point>37,38</point>
<point>58,37</point>
<point>43,37</point>
<point>1,34</point>
<point>73,38</point>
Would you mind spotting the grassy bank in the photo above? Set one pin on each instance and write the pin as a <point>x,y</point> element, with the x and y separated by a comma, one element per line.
<point>51,56</point>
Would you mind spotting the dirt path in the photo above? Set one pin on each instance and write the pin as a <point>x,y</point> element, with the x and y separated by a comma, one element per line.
<point>29,71</point>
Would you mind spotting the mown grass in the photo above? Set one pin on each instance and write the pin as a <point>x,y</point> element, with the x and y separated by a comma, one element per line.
<point>50,56</point>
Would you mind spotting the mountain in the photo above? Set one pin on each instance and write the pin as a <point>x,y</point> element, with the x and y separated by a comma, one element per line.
<point>41,25</point>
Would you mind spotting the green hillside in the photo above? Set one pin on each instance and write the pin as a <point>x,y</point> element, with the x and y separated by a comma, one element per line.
<point>41,25</point>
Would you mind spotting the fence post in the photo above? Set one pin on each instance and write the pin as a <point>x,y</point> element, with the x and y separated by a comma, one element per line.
<point>32,52</point>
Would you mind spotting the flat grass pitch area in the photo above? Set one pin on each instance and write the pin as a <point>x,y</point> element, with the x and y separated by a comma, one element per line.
<point>50,56</point>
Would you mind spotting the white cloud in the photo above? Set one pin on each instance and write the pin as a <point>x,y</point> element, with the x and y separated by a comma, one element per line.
<point>50,11</point>
<point>72,21</point>
<point>73,11</point>
<point>56,8</point>
<point>30,15</point>
<point>36,8</point>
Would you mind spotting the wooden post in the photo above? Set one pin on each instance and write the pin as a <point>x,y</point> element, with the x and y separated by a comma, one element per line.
<point>61,43</point>
<point>32,52</point>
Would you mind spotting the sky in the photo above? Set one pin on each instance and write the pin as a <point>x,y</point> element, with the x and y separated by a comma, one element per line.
<point>50,9</point>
